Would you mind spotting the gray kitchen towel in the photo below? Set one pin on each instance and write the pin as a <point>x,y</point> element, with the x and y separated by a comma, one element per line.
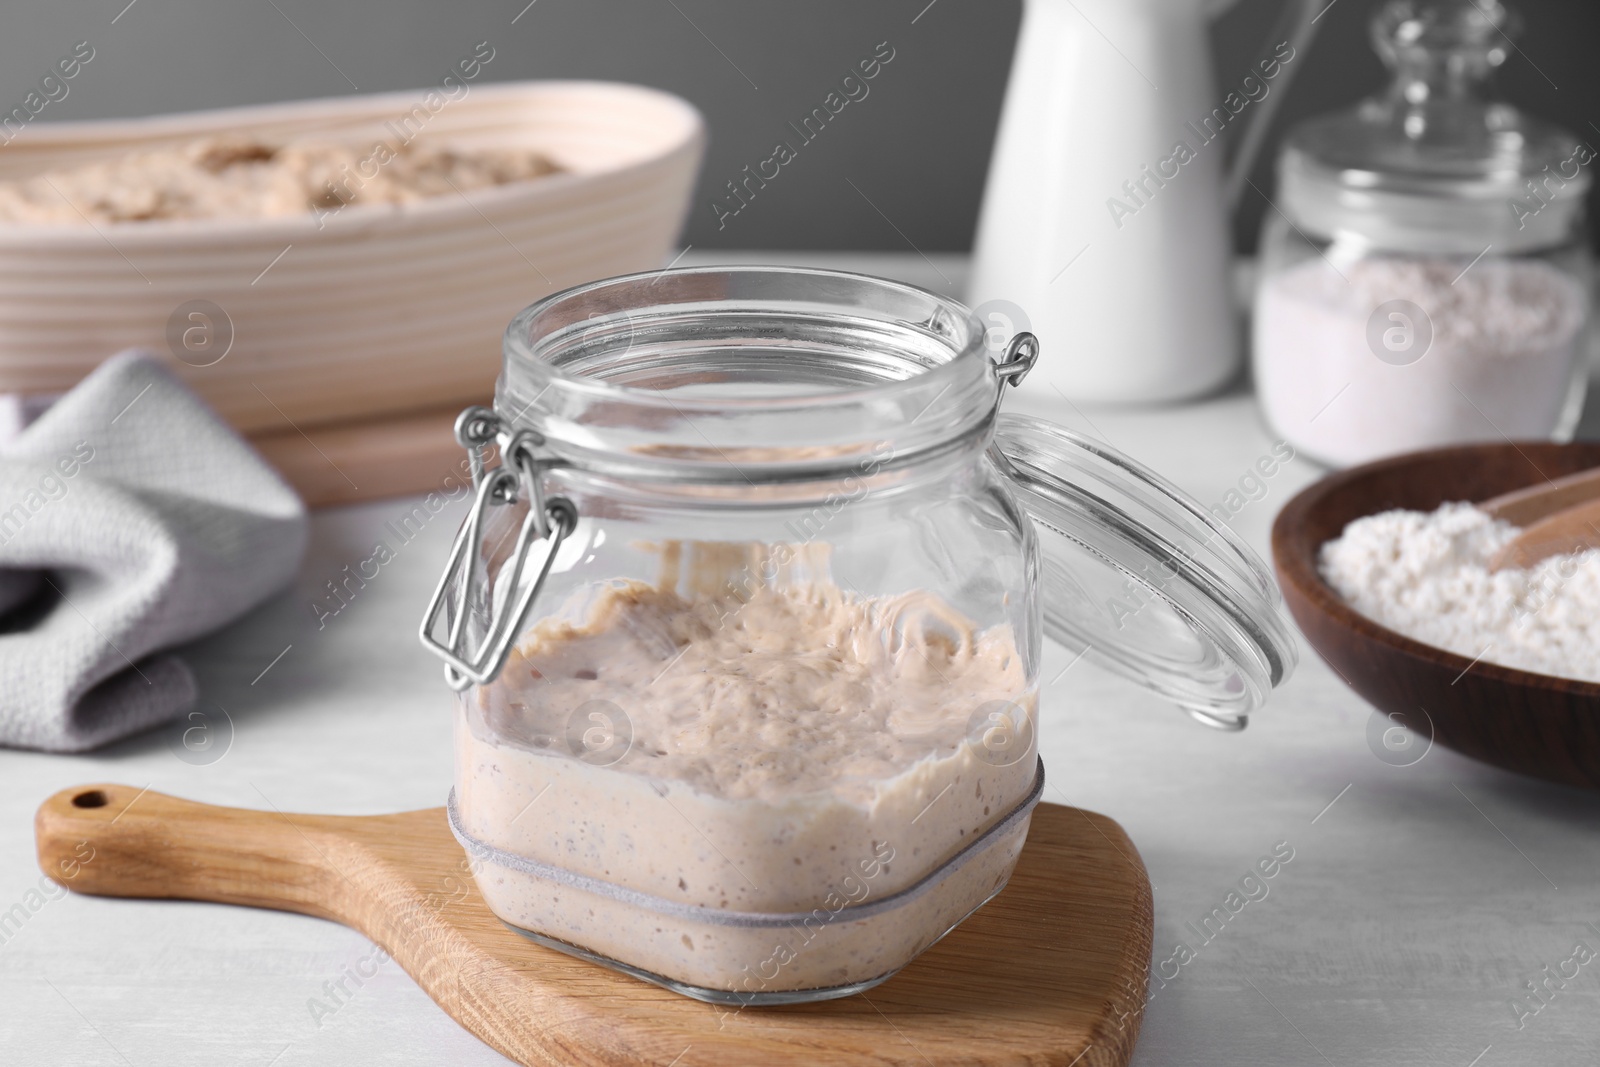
<point>132,519</point>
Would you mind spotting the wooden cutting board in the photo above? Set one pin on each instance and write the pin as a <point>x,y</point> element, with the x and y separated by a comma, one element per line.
<point>1051,972</point>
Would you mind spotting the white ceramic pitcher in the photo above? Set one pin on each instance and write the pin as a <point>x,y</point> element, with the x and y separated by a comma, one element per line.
<point>1115,249</point>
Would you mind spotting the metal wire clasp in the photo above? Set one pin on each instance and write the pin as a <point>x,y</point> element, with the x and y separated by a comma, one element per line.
<point>1021,354</point>
<point>551,521</point>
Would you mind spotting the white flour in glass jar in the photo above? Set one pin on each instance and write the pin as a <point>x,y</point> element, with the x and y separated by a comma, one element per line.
<point>1505,337</point>
<point>1426,575</point>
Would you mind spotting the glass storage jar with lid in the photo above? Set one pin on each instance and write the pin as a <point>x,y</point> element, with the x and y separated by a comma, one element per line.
<point>747,623</point>
<point>1425,279</point>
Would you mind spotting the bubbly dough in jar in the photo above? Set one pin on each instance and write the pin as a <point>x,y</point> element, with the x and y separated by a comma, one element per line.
<point>759,753</point>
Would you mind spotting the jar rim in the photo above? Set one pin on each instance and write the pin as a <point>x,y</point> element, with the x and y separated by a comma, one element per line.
<point>715,372</point>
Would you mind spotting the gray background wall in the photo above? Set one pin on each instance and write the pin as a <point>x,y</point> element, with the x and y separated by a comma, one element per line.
<point>918,145</point>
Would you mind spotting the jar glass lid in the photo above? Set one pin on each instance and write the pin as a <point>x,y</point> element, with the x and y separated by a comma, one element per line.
<point>1140,579</point>
<point>1436,157</point>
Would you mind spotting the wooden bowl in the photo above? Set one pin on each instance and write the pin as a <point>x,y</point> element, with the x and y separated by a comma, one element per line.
<point>1530,723</point>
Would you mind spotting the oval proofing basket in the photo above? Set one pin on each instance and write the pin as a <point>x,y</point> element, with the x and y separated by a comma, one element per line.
<point>370,311</point>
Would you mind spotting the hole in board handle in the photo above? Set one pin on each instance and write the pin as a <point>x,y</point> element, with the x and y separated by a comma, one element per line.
<point>94,798</point>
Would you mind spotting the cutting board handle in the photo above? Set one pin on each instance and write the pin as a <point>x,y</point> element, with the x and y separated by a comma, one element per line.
<point>122,841</point>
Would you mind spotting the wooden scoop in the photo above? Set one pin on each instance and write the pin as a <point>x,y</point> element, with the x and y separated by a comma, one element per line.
<point>1574,530</point>
<point>1050,972</point>
<point>1524,507</point>
<point>1557,517</point>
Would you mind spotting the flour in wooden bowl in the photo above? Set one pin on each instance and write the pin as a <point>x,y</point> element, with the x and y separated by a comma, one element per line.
<point>1426,575</point>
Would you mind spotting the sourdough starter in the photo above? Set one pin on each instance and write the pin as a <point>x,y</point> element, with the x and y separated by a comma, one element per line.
<point>794,748</point>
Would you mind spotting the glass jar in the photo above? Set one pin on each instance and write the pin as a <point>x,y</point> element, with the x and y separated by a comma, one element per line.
<point>1426,278</point>
<point>747,623</point>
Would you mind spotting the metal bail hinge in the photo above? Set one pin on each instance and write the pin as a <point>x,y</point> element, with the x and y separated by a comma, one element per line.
<point>1021,354</point>
<point>552,521</point>
<point>476,429</point>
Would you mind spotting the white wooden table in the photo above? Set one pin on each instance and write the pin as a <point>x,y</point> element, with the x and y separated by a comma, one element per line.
<point>1418,902</point>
